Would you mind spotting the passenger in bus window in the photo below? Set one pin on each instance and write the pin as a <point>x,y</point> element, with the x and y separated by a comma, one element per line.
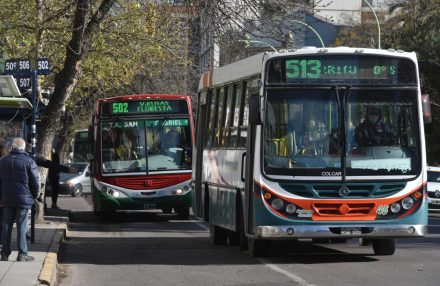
<point>313,140</point>
<point>372,131</point>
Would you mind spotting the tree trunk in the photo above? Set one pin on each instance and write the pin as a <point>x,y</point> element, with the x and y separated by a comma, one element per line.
<point>84,26</point>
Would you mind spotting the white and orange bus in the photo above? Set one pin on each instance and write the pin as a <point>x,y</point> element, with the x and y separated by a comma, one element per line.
<point>278,154</point>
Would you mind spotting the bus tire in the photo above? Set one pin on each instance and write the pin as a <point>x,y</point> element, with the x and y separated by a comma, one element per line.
<point>218,235</point>
<point>258,247</point>
<point>243,241</point>
<point>384,246</point>
<point>182,213</point>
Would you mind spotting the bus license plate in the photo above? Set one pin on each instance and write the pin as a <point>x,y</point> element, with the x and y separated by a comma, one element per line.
<point>149,206</point>
<point>351,231</point>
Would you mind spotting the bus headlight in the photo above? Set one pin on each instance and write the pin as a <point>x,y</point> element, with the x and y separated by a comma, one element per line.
<point>395,208</point>
<point>290,209</point>
<point>407,203</point>
<point>277,204</point>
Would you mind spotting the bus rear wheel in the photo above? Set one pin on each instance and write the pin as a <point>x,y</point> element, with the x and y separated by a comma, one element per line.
<point>218,235</point>
<point>258,247</point>
<point>384,246</point>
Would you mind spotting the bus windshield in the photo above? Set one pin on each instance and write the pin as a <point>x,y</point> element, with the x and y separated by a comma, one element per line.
<point>144,146</point>
<point>335,131</point>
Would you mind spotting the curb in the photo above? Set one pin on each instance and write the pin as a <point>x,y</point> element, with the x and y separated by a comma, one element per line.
<point>48,273</point>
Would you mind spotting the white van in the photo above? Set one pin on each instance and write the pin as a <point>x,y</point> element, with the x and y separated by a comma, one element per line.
<point>433,188</point>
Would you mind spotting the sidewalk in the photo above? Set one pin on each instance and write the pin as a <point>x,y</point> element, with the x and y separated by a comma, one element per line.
<point>42,271</point>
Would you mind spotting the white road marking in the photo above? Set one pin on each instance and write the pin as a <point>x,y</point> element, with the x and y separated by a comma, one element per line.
<point>290,275</point>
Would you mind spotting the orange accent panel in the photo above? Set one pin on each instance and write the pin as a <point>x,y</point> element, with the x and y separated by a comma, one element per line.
<point>341,209</point>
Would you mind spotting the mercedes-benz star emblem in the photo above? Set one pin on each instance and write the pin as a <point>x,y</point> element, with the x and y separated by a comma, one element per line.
<point>437,194</point>
<point>344,191</point>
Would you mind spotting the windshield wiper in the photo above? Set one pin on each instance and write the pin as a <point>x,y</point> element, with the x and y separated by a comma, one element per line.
<point>342,107</point>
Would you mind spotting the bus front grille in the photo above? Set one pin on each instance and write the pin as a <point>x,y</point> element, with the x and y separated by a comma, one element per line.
<point>151,183</point>
<point>344,209</point>
<point>351,191</point>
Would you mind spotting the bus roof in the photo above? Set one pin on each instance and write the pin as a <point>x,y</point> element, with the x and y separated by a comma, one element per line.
<point>253,65</point>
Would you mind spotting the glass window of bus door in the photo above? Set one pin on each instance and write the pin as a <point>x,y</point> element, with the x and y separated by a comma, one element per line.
<point>168,144</point>
<point>244,116</point>
<point>220,114</point>
<point>123,146</point>
<point>212,95</point>
<point>382,133</point>
<point>227,121</point>
<point>300,127</point>
<point>233,136</point>
<point>229,115</point>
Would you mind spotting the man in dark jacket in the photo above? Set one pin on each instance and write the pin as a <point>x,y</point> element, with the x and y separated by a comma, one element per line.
<point>19,182</point>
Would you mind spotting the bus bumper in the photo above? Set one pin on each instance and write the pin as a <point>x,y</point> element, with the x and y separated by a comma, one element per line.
<point>348,231</point>
<point>107,203</point>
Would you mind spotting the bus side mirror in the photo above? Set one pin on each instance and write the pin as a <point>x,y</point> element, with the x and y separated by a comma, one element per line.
<point>426,109</point>
<point>254,110</point>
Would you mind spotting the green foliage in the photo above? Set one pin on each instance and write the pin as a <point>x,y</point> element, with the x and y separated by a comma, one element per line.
<point>137,37</point>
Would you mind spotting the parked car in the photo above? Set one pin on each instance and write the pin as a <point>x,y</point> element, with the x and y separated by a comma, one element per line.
<point>74,184</point>
<point>433,187</point>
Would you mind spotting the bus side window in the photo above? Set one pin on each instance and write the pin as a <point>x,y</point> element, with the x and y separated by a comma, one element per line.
<point>236,109</point>
<point>244,116</point>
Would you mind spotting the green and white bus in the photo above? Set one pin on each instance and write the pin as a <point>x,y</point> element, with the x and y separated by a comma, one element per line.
<point>142,147</point>
<point>320,143</point>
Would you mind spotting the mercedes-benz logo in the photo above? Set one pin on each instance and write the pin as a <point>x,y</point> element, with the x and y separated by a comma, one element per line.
<point>344,191</point>
<point>437,194</point>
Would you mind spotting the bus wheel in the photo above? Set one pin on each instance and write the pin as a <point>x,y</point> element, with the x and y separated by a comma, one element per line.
<point>182,213</point>
<point>258,247</point>
<point>218,235</point>
<point>384,246</point>
<point>166,210</point>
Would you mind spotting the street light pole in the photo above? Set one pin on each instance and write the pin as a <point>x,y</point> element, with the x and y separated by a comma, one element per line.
<point>314,31</point>
<point>247,41</point>
<point>377,21</point>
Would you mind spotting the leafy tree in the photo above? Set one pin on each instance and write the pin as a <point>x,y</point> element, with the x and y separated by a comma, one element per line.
<point>415,26</point>
<point>96,46</point>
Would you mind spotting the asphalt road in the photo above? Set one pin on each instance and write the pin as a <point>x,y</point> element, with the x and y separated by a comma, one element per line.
<point>156,249</point>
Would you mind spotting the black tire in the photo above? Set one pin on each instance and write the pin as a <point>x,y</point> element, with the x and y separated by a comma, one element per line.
<point>384,246</point>
<point>182,213</point>
<point>218,235</point>
<point>77,191</point>
<point>258,247</point>
<point>167,210</point>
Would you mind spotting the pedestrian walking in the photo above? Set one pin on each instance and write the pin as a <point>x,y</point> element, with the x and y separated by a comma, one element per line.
<point>19,183</point>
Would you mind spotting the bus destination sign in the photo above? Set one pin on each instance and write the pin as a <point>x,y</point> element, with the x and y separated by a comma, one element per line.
<point>144,107</point>
<point>341,68</point>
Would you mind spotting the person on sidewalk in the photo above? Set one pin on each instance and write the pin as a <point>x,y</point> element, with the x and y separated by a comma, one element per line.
<point>54,176</point>
<point>19,183</point>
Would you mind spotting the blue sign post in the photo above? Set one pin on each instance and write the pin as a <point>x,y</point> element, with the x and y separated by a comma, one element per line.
<point>25,76</point>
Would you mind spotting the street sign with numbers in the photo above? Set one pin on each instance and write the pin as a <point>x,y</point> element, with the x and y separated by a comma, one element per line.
<point>10,66</point>
<point>24,82</point>
<point>43,66</point>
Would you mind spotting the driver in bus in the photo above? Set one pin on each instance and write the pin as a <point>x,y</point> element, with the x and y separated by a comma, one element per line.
<point>373,131</point>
